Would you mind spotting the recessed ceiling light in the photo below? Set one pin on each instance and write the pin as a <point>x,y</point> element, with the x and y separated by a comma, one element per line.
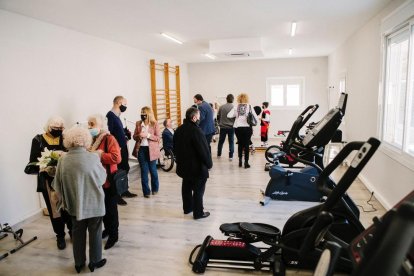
<point>171,38</point>
<point>210,56</point>
<point>293,29</point>
<point>290,51</point>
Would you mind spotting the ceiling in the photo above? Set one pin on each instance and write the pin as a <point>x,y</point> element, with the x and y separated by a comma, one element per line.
<point>322,25</point>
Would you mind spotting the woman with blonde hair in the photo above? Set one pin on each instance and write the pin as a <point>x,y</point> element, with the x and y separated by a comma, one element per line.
<point>242,128</point>
<point>147,149</point>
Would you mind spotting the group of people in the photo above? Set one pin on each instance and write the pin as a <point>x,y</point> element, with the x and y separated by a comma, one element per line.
<point>79,190</point>
<point>233,119</point>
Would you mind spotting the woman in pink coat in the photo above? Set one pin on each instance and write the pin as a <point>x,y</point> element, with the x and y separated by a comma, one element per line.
<point>147,149</point>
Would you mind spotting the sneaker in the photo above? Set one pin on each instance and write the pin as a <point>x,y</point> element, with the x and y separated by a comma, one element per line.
<point>121,201</point>
<point>154,193</point>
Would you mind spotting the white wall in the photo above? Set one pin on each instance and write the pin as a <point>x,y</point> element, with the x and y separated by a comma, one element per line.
<point>220,78</point>
<point>47,70</point>
<point>360,58</point>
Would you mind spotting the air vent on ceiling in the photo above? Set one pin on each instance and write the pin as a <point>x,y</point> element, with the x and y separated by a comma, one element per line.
<point>244,54</point>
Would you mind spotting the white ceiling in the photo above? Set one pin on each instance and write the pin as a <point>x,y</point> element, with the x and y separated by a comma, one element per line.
<point>322,24</point>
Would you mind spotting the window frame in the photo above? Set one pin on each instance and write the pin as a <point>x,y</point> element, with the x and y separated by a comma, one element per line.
<point>285,81</point>
<point>399,154</point>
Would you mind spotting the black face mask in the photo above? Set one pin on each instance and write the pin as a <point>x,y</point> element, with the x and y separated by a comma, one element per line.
<point>197,122</point>
<point>56,132</point>
<point>122,108</point>
<point>143,117</point>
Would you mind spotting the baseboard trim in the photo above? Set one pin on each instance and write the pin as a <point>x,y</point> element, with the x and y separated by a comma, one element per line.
<point>377,194</point>
<point>27,219</point>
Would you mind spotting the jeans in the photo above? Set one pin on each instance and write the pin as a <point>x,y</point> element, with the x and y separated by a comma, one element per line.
<point>147,166</point>
<point>230,133</point>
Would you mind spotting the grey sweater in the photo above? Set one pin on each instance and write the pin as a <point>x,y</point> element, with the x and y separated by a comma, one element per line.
<point>222,119</point>
<point>79,179</point>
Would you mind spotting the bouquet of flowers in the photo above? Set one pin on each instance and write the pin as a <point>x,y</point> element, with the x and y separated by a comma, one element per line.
<point>48,161</point>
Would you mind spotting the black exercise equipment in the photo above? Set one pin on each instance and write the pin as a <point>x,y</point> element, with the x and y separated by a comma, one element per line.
<point>385,248</point>
<point>4,229</point>
<point>285,154</point>
<point>290,247</point>
<point>310,147</point>
<point>301,185</point>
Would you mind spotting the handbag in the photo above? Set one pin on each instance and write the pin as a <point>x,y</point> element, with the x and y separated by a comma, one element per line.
<point>119,179</point>
<point>251,120</point>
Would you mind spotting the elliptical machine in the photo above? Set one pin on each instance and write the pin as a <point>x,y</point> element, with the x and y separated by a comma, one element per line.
<point>283,154</point>
<point>301,185</point>
<point>284,247</point>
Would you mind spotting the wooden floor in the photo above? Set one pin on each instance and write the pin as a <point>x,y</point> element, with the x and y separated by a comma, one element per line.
<point>156,238</point>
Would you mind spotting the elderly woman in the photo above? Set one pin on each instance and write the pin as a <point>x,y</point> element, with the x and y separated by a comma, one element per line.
<point>107,146</point>
<point>79,179</point>
<point>51,140</point>
<point>242,129</point>
<point>147,135</point>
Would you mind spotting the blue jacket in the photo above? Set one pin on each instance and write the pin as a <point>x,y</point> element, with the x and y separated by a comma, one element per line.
<point>116,128</point>
<point>206,118</point>
<point>167,139</point>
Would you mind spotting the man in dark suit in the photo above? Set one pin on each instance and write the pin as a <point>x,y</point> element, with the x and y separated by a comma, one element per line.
<point>193,159</point>
<point>167,135</point>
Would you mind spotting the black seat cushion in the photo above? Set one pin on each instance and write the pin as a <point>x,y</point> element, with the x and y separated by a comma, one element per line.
<point>261,230</point>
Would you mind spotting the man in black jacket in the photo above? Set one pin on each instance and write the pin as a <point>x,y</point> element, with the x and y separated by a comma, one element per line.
<point>193,159</point>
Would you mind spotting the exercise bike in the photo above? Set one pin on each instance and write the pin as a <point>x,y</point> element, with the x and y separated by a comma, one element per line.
<point>301,185</point>
<point>283,154</point>
<point>284,247</point>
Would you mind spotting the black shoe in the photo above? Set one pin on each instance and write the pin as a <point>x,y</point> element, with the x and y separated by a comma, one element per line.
<point>128,194</point>
<point>147,196</point>
<point>61,243</point>
<point>187,212</point>
<point>105,234</point>
<point>204,215</point>
<point>79,268</point>
<point>240,163</point>
<point>246,165</point>
<point>99,264</point>
<point>121,201</point>
<point>110,242</point>
<point>154,193</point>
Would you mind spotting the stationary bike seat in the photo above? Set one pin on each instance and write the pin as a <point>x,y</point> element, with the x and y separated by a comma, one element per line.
<point>261,230</point>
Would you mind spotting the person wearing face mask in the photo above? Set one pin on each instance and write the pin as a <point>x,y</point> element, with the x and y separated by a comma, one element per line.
<point>147,149</point>
<point>51,139</point>
<point>193,159</point>
<point>116,128</point>
<point>107,147</point>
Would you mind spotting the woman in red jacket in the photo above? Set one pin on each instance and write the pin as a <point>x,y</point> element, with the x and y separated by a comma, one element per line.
<point>107,147</point>
<point>147,149</point>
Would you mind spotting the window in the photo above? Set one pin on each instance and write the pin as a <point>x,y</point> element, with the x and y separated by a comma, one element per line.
<point>398,96</point>
<point>285,92</point>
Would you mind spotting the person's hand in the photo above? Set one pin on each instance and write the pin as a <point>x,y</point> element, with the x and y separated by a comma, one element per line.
<point>51,171</point>
<point>143,134</point>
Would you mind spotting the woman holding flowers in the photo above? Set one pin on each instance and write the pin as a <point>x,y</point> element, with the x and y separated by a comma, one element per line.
<point>46,149</point>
